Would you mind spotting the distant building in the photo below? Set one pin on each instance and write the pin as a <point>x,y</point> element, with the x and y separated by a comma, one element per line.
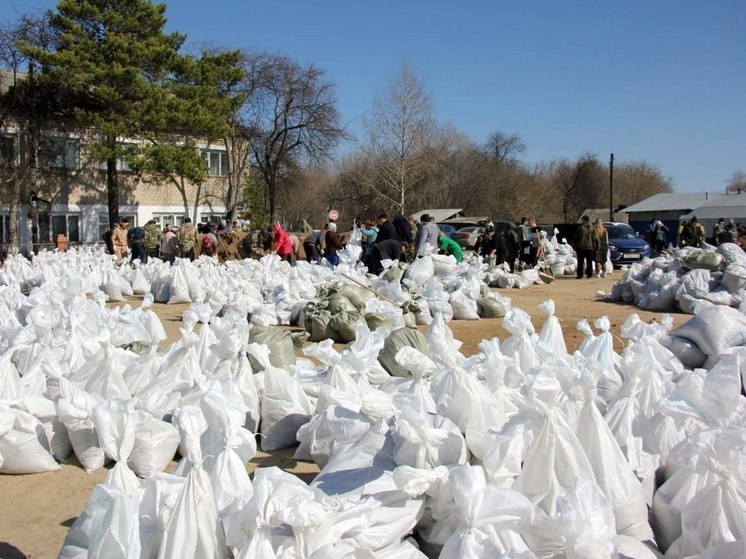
<point>74,184</point>
<point>673,208</point>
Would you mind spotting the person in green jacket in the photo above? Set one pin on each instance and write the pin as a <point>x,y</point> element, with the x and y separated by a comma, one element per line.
<point>449,246</point>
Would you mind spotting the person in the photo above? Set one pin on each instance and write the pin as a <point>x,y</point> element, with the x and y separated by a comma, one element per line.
<point>485,246</point>
<point>534,238</point>
<point>602,254</point>
<point>224,227</point>
<point>332,244</point>
<point>451,247</point>
<point>281,243</point>
<point>427,235</point>
<point>107,238</point>
<point>658,237</point>
<point>187,239</point>
<point>136,238</point>
<point>512,245</point>
<point>305,227</point>
<point>235,226</point>
<point>386,229</point>
<point>585,243</point>
<point>209,246</point>
<point>718,231</point>
<point>152,241</point>
<point>312,246</point>
<point>370,236</point>
<point>698,235</point>
<point>686,234</point>
<point>403,229</point>
<point>169,246</point>
<point>524,239</point>
<point>119,239</point>
<point>390,249</point>
<point>730,232</point>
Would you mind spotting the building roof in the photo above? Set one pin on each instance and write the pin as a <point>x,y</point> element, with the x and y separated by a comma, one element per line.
<point>673,201</point>
<point>6,79</point>
<point>727,205</point>
<point>438,214</point>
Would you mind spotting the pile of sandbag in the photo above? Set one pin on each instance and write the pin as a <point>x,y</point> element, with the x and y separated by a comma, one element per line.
<point>521,450</point>
<point>689,279</point>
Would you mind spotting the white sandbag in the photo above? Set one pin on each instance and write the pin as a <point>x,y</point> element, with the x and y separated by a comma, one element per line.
<point>551,333</point>
<point>285,408</point>
<point>731,252</point>
<point>421,270</point>
<point>140,285</point>
<point>734,277</point>
<point>695,283</point>
<point>178,289</point>
<point>83,436</point>
<point>330,432</point>
<point>115,427</point>
<point>155,444</point>
<point>485,517</point>
<point>22,451</point>
<point>427,441</point>
<point>112,287</point>
<point>464,306</point>
<point>107,527</point>
<point>613,473</point>
<point>194,529</point>
<point>714,330</point>
<point>425,315</point>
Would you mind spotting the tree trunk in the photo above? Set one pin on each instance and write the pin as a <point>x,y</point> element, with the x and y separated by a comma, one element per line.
<point>112,183</point>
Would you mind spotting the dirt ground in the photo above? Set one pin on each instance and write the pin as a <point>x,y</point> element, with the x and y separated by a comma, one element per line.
<point>37,510</point>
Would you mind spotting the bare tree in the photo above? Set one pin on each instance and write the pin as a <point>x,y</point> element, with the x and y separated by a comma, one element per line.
<point>637,180</point>
<point>578,184</point>
<point>505,148</point>
<point>289,117</point>
<point>736,182</point>
<point>24,107</point>
<point>398,133</point>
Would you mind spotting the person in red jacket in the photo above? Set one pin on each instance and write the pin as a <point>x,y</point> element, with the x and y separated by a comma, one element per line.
<point>282,245</point>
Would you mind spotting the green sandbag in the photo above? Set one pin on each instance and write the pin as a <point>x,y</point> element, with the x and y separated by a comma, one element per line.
<point>393,274</point>
<point>280,343</point>
<point>489,307</point>
<point>338,303</point>
<point>704,260</point>
<point>376,319</point>
<point>356,295</point>
<point>403,337</point>
<point>299,339</point>
<point>344,324</point>
<point>317,323</point>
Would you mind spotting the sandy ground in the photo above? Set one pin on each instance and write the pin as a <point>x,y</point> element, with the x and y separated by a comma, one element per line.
<point>36,510</point>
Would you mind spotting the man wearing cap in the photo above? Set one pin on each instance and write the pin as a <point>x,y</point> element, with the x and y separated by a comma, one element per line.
<point>427,235</point>
<point>119,239</point>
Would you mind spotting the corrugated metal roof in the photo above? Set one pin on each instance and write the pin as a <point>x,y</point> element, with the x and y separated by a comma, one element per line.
<point>670,201</point>
<point>438,214</point>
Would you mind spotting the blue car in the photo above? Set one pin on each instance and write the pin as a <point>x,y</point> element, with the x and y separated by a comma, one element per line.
<point>625,246</point>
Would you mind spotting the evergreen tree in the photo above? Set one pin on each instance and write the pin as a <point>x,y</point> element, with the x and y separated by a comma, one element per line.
<point>118,64</point>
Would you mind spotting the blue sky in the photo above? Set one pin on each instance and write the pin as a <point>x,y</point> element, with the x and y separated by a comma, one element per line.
<point>661,81</point>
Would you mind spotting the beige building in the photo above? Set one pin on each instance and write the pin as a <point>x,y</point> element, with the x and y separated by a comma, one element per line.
<point>71,188</point>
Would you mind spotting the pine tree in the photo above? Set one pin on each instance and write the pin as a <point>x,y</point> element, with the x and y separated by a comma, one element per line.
<point>118,64</point>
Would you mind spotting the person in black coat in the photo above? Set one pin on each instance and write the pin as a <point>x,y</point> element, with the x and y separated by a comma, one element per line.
<point>403,228</point>
<point>386,229</point>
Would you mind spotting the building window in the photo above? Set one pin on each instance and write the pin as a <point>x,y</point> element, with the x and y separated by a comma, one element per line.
<point>61,224</point>
<point>176,220</point>
<point>211,218</point>
<point>216,161</point>
<point>9,152</point>
<point>56,152</point>
<point>122,162</point>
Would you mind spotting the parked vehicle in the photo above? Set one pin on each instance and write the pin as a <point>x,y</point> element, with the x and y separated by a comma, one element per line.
<point>467,237</point>
<point>625,245</point>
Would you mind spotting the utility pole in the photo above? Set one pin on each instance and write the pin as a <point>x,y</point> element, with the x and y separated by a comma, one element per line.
<point>611,187</point>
